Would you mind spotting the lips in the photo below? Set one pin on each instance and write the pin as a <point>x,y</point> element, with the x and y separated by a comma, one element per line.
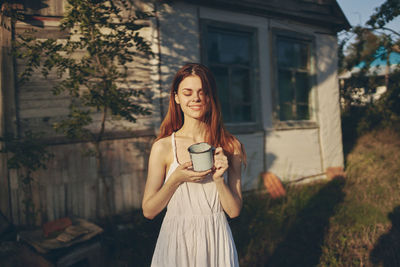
<point>196,107</point>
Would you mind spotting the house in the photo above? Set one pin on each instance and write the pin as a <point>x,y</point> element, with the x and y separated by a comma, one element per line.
<point>380,67</point>
<point>276,67</point>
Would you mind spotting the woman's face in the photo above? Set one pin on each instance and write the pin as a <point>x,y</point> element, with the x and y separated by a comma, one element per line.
<point>191,97</point>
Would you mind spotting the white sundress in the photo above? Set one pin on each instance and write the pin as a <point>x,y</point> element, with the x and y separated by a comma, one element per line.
<point>195,231</point>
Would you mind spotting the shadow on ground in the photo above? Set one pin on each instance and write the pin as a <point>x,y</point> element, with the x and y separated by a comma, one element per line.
<point>302,244</point>
<point>131,240</point>
<point>387,249</point>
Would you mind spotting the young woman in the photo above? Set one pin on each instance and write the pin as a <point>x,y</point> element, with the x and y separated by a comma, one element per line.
<point>195,231</point>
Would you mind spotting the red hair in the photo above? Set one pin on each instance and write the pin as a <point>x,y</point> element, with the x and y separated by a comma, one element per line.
<point>217,135</point>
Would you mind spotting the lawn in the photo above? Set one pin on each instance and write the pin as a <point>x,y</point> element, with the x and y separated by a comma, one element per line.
<point>353,221</point>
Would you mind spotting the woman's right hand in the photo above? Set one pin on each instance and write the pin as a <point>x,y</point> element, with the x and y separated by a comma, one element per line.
<point>185,173</point>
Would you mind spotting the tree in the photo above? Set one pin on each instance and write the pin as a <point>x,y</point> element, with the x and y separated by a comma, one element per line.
<point>106,36</point>
<point>373,41</point>
<point>28,154</point>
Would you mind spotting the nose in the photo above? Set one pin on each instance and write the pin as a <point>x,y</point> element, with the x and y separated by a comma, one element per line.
<point>196,97</point>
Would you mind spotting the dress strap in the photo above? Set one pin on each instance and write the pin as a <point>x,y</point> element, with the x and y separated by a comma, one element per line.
<point>174,147</point>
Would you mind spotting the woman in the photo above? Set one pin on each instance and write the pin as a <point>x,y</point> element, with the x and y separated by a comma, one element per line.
<point>195,231</point>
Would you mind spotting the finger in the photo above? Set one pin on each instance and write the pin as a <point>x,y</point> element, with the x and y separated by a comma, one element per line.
<point>197,179</point>
<point>218,150</point>
<point>186,165</point>
<point>220,164</point>
<point>198,174</point>
<point>219,156</point>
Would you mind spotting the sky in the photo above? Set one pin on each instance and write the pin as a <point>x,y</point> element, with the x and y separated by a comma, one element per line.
<point>359,11</point>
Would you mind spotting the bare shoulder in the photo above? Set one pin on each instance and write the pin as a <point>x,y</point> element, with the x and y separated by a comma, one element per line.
<point>161,150</point>
<point>162,145</point>
<point>238,148</point>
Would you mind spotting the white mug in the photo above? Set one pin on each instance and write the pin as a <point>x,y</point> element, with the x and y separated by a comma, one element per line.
<point>202,156</point>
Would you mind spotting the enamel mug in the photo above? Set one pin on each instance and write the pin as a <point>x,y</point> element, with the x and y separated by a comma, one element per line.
<point>202,156</point>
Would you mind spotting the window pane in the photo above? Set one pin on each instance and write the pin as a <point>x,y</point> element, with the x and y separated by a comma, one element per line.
<point>294,84</point>
<point>302,96</point>
<point>228,47</point>
<point>293,54</point>
<point>222,80</point>
<point>304,54</point>
<point>286,54</point>
<point>241,113</point>
<point>286,96</point>
<point>241,95</point>
<point>213,47</point>
<point>241,85</point>
<point>229,56</point>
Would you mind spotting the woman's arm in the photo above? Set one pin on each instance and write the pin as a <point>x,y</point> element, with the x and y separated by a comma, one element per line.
<point>157,193</point>
<point>230,193</point>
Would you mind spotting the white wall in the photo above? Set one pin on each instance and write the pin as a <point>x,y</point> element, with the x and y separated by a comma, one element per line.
<point>328,101</point>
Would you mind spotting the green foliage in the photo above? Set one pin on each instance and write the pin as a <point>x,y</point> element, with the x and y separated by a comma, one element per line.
<point>26,154</point>
<point>91,64</point>
<point>384,14</point>
<point>103,37</point>
<point>372,41</point>
<point>74,126</point>
<point>382,113</point>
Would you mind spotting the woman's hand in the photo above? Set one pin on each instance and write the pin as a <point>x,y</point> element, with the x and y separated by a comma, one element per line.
<point>220,163</point>
<point>185,173</point>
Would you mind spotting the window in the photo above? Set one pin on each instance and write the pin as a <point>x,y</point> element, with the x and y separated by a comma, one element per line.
<point>228,50</point>
<point>293,57</point>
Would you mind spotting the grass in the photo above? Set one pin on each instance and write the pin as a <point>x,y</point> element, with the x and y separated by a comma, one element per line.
<point>368,217</point>
<point>343,222</point>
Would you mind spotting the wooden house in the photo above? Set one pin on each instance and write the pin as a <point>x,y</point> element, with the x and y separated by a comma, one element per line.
<point>276,67</point>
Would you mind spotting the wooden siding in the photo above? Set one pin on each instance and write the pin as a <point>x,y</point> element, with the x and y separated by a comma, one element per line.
<point>7,111</point>
<point>38,108</point>
<point>43,7</point>
<point>70,185</point>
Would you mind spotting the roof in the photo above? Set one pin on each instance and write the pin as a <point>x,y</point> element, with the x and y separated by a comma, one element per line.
<point>325,13</point>
<point>380,58</point>
<point>378,65</point>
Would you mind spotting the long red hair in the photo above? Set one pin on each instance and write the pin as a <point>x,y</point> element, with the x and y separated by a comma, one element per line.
<point>217,135</point>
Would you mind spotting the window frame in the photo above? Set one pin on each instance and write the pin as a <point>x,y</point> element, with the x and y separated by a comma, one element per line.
<point>238,127</point>
<point>302,38</point>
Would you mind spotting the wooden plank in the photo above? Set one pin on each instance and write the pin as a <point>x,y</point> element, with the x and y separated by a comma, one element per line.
<point>36,196</point>
<point>45,8</point>
<point>127,174</point>
<point>49,203</point>
<point>113,160</point>
<point>4,187</point>
<point>13,174</point>
<point>94,188</point>
<point>7,82</point>
<point>46,104</point>
<point>48,112</point>
<point>70,186</point>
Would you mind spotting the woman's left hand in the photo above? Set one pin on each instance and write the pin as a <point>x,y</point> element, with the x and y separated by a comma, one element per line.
<point>220,163</point>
